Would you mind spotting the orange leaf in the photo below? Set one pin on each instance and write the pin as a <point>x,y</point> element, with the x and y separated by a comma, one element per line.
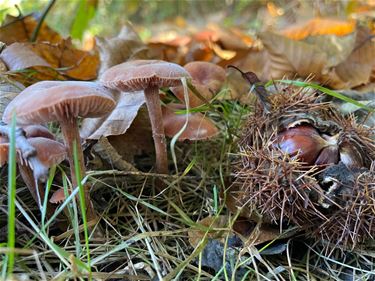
<point>74,63</point>
<point>319,26</point>
<point>20,29</point>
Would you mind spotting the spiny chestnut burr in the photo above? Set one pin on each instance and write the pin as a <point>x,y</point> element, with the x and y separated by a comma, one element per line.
<point>295,156</point>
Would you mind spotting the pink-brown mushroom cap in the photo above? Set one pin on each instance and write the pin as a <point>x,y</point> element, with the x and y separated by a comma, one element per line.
<point>207,77</point>
<point>58,196</point>
<point>198,128</point>
<point>4,151</point>
<point>33,131</point>
<point>49,152</point>
<point>59,100</point>
<point>140,74</point>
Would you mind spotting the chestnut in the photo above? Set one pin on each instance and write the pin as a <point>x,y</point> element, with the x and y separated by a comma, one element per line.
<point>305,142</point>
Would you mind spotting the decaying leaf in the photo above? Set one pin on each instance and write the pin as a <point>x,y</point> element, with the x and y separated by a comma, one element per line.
<point>27,67</point>
<point>340,62</point>
<point>357,67</point>
<point>137,140</point>
<point>19,56</point>
<point>118,121</point>
<point>20,29</point>
<point>319,26</point>
<point>74,63</point>
<point>249,232</point>
<point>108,153</point>
<point>8,91</point>
<point>126,45</point>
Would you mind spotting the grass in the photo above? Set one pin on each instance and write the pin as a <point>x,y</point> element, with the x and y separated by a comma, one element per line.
<point>146,231</point>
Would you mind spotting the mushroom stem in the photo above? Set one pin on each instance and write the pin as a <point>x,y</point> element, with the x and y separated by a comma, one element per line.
<point>70,133</point>
<point>156,118</point>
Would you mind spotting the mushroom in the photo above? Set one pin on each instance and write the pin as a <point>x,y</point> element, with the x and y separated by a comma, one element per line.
<point>198,126</point>
<point>33,131</point>
<point>207,78</point>
<point>62,101</point>
<point>48,153</point>
<point>149,76</point>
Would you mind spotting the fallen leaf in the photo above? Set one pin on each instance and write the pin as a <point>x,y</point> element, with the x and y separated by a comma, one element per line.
<point>251,233</point>
<point>20,29</point>
<point>8,91</point>
<point>27,67</point>
<point>356,69</point>
<point>19,56</point>
<point>137,140</point>
<point>74,63</point>
<point>108,153</point>
<point>195,236</point>
<point>118,121</point>
<point>315,56</point>
<point>125,46</point>
<point>319,26</point>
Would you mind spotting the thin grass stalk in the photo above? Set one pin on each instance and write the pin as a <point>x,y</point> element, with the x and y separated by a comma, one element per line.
<point>12,197</point>
<point>82,205</point>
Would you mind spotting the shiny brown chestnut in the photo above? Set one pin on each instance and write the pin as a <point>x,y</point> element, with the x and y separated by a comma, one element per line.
<point>305,142</point>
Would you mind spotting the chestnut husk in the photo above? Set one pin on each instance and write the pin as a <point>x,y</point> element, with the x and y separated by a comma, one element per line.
<point>282,188</point>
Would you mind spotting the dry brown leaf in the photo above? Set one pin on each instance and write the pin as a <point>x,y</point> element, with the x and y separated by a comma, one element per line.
<point>20,29</point>
<point>356,69</point>
<point>316,55</point>
<point>289,57</point>
<point>137,140</point>
<point>34,74</point>
<point>8,91</point>
<point>19,56</point>
<point>27,67</point>
<point>108,153</point>
<point>118,121</point>
<point>74,63</point>
<point>319,26</point>
<point>126,45</point>
<point>195,236</point>
<point>250,232</point>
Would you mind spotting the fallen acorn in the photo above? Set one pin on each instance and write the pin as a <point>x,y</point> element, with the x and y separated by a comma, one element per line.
<point>295,156</point>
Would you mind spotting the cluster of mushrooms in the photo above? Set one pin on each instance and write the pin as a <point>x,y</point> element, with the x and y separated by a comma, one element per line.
<point>64,102</point>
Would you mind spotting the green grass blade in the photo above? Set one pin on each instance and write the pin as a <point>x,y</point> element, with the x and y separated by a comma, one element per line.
<point>82,204</point>
<point>12,196</point>
<point>326,91</point>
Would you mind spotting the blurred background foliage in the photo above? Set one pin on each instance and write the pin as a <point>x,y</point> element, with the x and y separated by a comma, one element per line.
<point>85,18</point>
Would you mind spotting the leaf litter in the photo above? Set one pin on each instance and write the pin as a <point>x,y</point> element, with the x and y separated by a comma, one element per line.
<point>335,53</point>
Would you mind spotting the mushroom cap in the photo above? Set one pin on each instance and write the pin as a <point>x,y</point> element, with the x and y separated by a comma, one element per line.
<point>138,75</point>
<point>59,100</point>
<point>33,131</point>
<point>58,196</point>
<point>4,151</point>
<point>49,152</point>
<point>207,77</point>
<point>198,127</point>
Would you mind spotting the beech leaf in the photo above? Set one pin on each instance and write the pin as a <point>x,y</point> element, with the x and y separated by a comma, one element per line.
<point>118,121</point>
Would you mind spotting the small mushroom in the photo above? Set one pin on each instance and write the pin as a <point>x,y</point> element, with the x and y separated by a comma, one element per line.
<point>207,78</point>
<point>148,76</point>
<point>198,127</point>
<point>48,153</point>
<point>64,102</point>
<point>33,131</point>
<point>58,196</point>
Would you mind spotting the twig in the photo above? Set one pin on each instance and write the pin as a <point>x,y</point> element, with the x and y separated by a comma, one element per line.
<point>35,34</point>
